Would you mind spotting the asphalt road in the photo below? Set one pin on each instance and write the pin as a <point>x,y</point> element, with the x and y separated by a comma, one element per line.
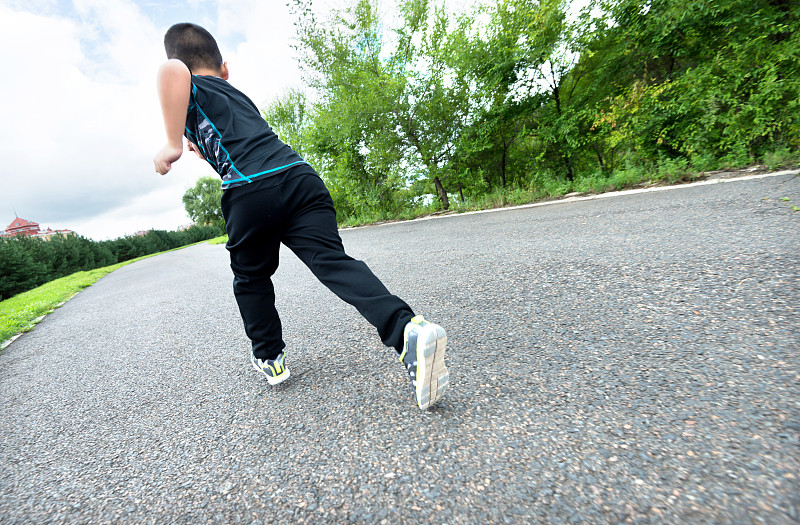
<point>626,359</point>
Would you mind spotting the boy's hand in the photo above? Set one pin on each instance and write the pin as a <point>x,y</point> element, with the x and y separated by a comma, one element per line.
<point>164,158</point>
<point>196,150</point>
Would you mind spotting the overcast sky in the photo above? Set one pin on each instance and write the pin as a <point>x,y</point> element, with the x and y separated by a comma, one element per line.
<point>80,114</point>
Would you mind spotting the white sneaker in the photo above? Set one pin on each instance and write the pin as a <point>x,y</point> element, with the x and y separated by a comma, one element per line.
<point>423,356</point>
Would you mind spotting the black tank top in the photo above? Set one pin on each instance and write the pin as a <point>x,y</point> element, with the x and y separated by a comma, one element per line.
<point>232,135</point>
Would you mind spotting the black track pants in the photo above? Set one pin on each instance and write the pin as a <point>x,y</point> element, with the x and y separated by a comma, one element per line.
<point>296,209</point>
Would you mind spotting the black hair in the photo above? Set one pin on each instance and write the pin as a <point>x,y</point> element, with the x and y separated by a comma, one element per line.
<point>192,45</point>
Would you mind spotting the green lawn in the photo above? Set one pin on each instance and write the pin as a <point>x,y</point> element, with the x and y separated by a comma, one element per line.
<point>21,313</point>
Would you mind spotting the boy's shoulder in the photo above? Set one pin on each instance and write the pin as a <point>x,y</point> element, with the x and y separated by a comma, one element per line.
<point>213,90</point>
<point>173,70</point>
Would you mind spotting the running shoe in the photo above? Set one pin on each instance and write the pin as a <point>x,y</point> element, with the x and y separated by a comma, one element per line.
<point>423,356</point>
<point>274,369</point>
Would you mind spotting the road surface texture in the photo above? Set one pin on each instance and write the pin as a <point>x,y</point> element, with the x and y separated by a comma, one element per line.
<point>620,360</point>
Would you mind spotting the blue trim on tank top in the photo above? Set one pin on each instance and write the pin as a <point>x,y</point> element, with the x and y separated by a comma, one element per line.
<point>249,178</point>
<point>242,176</point>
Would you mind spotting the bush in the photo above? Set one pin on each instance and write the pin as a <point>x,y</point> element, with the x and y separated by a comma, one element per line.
<point>19,271</point>
<point>674,170</point>
<point>780,158</point>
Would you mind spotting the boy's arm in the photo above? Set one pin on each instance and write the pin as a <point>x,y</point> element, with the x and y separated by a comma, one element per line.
<point>174,88</point>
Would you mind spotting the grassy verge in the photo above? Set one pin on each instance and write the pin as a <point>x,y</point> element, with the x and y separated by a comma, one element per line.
<point>20,313</point>
<point>545,190</point>
<point>667,173</point>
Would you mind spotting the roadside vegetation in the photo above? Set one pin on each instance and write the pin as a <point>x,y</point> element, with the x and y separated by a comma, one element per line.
<point>23,311</point>
<point>513,101</point>
<point>28,262</point>
<point>519,100</point>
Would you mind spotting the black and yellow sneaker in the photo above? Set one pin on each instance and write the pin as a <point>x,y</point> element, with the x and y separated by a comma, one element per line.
<point>274,369</point>
<point>423,356</point>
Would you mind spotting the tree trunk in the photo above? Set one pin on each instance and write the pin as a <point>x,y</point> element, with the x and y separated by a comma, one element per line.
<point>599,157</point>
<point>567,162</point>
<point>441,192</point>
<point>568,165</point>
<point>503,165</point>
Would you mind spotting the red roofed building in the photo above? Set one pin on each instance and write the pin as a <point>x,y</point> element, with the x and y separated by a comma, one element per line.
<point>31,229</point>
<point>22,226</point>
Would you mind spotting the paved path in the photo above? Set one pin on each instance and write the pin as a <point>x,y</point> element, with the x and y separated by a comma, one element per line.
<point>630,359</point>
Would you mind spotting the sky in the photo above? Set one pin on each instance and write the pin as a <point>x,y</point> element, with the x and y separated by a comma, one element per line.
<point>80,119</point>
<point>80,114</point>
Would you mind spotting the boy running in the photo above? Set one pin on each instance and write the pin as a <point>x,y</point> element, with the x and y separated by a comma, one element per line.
<point>272,196</point>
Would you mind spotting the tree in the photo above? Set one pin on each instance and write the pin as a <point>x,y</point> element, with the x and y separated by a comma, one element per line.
<point>202,202</point>
<point>434,105</point>
<point>700,80</point>
<point>19,270</point>
<point>351,141</point>
<point>393,106</point>
<point>288,116</point>
<point>520,92</point>
<point>487,57</point>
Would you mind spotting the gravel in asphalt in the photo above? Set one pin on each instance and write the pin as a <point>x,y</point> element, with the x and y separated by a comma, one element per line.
<point>623,360</point>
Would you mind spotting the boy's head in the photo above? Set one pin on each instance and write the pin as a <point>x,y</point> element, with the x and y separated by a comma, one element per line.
<point>194,46</point>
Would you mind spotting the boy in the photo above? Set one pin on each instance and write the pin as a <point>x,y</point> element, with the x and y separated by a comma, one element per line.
<point>272,196</point>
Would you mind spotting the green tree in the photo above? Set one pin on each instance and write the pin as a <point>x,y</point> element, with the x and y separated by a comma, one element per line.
<point>521,92</point>
<point>487,56</point>
<point>19,270</point>
<point>350,141</point>
<point>700,80</point>
<point>528,115</point>
<point>202,202</point>
<point>289,118</point>
<point>391,108</point>
<point>434,105</point>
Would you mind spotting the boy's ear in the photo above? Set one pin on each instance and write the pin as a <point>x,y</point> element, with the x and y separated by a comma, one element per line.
<point>224,71</point>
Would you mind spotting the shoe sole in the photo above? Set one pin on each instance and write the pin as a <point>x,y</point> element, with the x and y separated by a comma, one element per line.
<point>272,380</point>
<point>432,376</point>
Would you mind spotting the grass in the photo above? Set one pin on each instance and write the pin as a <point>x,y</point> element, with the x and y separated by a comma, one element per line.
<point>780,158</point>
<point>547,189</point>
<point>665,171</point>
<point>22,312</point>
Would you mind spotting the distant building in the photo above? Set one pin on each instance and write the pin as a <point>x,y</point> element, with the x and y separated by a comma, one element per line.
<point>31,229</point>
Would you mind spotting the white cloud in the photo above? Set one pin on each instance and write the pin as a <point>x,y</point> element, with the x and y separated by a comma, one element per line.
<point>80,114</point>
<point>81,117</point>
<point>262,65</point>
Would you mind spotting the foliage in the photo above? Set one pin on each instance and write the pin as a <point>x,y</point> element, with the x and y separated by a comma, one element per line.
<point>202,202</point>
<point>19,269</point>
<point>20,312</point>
<point>288,116</point>
<point>27,262</point>
<point>346,139</point>
<point>528,97</point>
<point>702,80</point>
